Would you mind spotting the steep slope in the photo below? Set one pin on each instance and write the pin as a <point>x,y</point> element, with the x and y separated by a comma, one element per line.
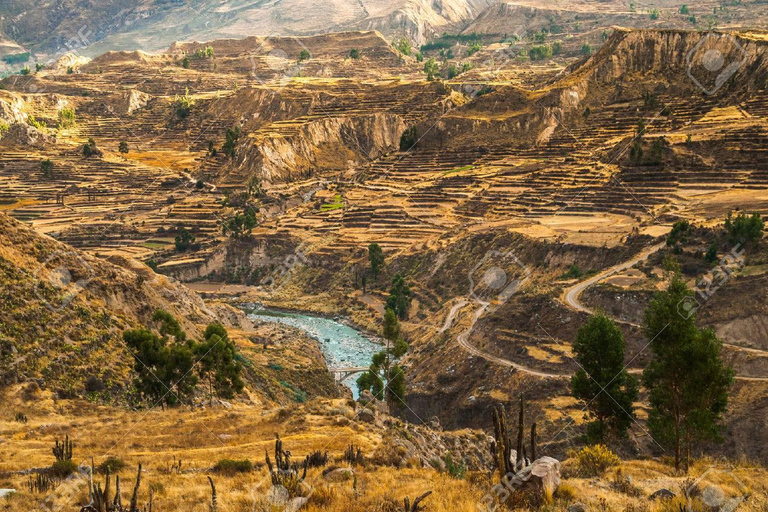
<point>64,312</point>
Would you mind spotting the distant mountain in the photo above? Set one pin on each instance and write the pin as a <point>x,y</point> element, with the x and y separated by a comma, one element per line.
<point>48,27</point>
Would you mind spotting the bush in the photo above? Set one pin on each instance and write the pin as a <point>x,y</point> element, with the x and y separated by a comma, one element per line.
<point>233,466</point>
<point>743,228</point>
<point>66,117</point>
<point>354,53</point>
<point>63,468</point>
<point>595,460</point>
<point>114,464</point>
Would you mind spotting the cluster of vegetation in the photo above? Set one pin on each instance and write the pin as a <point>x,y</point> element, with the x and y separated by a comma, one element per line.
<point>403,46</point>
<point>35,123</point>
<point>336,203</point>
<point>90,149</point>
<point>399,300</point>
<point>744,228</point>
<point>46,167</point>
<point>241,224</point>
<point>183,105</point>
<point>184,240</point>
<point>16,58</point>
<point>169,365</point>
<point>204,53</point>
<point>354,53</point>
<point>123,147</point>
<point>304,55</point>
<point>66,117</point>
<point>687,380</point>
<point>230,143</point>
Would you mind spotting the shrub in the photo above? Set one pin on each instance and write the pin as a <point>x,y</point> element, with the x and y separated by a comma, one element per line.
<point>233,466</point>
<point>66,117</point>
<point>354,53</point>
<point>114,464</point>
<point>34,123</point>
<point>46,167</point>
<point>455,469</point>
<point>123,147</point>
<point>63,468</point>
<point>183,105</point>
<point>595,460</point>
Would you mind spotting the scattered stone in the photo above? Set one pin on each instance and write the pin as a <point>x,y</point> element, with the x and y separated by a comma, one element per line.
<point>367,416</point>
<point>542,477</point>
<point>577,507</point>
<point>339,475</point>
<point>662,494</point>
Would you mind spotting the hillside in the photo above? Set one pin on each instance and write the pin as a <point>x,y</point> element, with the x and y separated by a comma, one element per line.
<point>65,311</point>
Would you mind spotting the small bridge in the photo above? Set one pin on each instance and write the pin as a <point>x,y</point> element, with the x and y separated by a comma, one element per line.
<point>342,374</point>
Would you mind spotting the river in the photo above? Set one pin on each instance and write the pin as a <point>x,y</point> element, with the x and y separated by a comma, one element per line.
<point>342,345</point>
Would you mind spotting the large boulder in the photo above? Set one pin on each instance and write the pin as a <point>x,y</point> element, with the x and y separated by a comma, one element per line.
<point>541,477</point>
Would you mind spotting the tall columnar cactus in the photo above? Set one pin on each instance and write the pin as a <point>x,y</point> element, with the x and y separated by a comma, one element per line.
<point>501,447</point>
<point>63,451</point>
<point>284,473</point>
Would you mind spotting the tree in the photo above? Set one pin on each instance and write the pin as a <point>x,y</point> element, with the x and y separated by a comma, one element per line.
<point>743,228</point>
<point>241,224</point>
<point>688,383</point>
<point>169,325</point>
<point>233,134</point>
<point>123,147</point>
<point>586,49</point>
<point>403,46</point>
<point>376,259</point>
<point>185,62</point>
<point>184,240</point>
<point>163,372</point>
<point>603,381</point>
<point>384,373</point>
<point>46,167</point>
<point>218,363</point>
<point>354,53</point>
<point>399,299</point>
<point>304,55</point>
<point>431,68</point>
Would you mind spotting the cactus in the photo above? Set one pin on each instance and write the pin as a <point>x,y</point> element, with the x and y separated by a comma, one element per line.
<point>352,455</point>
<point>214,499</point>
<point>99,497</point>
<point>284,473</point>
<point>501,447</point>
<point>63,451</point>
<point>317,459</point>
<point>41,483</point>
<point>416,507</point>
<point>134,497</point>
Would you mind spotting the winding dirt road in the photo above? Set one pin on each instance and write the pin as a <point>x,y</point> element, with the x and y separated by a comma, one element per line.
<point>463,340</point>
<point>572,298</point>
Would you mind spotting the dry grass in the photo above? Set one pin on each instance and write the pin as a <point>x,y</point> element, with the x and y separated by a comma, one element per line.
<point>203,436</point>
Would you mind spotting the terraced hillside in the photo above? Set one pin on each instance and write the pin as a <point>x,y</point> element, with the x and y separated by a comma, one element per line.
<point>228,161</point>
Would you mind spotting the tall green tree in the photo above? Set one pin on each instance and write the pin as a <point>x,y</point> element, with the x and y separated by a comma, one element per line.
<point>385,379</point>
<point>400,296</point>
<point>744,228</point>
<point>218,363</point>
<point>602,381</point>
<point>376,259</point>
<point>687,380</point>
